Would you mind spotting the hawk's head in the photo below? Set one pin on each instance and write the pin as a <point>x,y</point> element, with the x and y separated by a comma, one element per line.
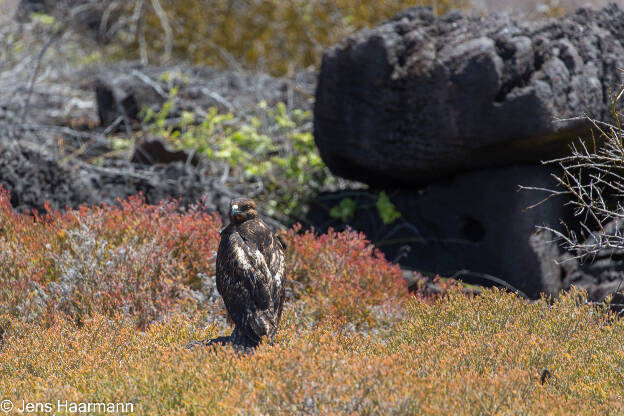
<point>242,209</point>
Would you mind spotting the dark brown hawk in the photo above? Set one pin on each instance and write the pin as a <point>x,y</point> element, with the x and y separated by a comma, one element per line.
<point>250,274</point>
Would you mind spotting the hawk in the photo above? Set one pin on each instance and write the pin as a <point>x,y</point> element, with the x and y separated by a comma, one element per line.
<point>250,274</point>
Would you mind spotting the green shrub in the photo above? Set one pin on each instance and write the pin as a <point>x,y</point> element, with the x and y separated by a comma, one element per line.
<point>275,148</point>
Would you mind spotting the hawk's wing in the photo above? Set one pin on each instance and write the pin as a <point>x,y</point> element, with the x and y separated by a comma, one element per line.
<point>249,288</point>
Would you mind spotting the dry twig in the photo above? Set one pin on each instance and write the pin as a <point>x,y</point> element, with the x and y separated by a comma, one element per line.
<point>593,179</point>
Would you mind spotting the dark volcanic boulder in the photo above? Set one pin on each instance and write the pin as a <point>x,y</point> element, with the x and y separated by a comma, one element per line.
<point>121,97</point>
<point>420,97</point>
<point>32,178</point>
<point>474,226</point>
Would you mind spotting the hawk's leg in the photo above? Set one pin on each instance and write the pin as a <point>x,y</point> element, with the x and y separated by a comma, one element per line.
<point>239,339</point>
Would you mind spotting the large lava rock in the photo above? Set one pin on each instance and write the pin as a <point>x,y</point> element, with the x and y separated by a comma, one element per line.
<point>420,97</point>
<point>475,226</point>
<point>32,178</point>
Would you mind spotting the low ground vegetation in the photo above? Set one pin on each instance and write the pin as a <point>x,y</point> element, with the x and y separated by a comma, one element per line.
<point>97,305</point>
<point>274,36</point>
<point>277,37</point>
<point>272,148</point>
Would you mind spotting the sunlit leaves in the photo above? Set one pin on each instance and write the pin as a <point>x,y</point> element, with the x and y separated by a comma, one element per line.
<point>275,148</point>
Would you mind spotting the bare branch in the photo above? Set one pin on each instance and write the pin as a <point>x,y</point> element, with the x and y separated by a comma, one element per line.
<point>53,36</point>
<point>593,179</point>
<point>162,16</point>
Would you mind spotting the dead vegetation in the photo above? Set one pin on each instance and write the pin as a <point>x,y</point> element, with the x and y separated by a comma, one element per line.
<point>592,178</point>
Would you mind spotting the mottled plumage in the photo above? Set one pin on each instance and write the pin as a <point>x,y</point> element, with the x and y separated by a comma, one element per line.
<point>250,274</point>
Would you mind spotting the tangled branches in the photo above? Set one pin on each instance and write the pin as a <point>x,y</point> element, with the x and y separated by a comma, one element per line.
<point>592,178</point>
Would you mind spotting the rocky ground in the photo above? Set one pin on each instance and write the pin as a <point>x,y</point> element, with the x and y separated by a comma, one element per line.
<point>62,116</point>
<point>57,140</point>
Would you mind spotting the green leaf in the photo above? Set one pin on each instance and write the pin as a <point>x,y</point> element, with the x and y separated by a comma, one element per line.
<point>387,210</point>
<point>344,211</point>
<point>120,143</point>
<point>45,19</point>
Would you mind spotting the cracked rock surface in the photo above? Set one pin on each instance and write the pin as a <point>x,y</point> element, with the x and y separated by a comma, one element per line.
<point>419,98</point>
